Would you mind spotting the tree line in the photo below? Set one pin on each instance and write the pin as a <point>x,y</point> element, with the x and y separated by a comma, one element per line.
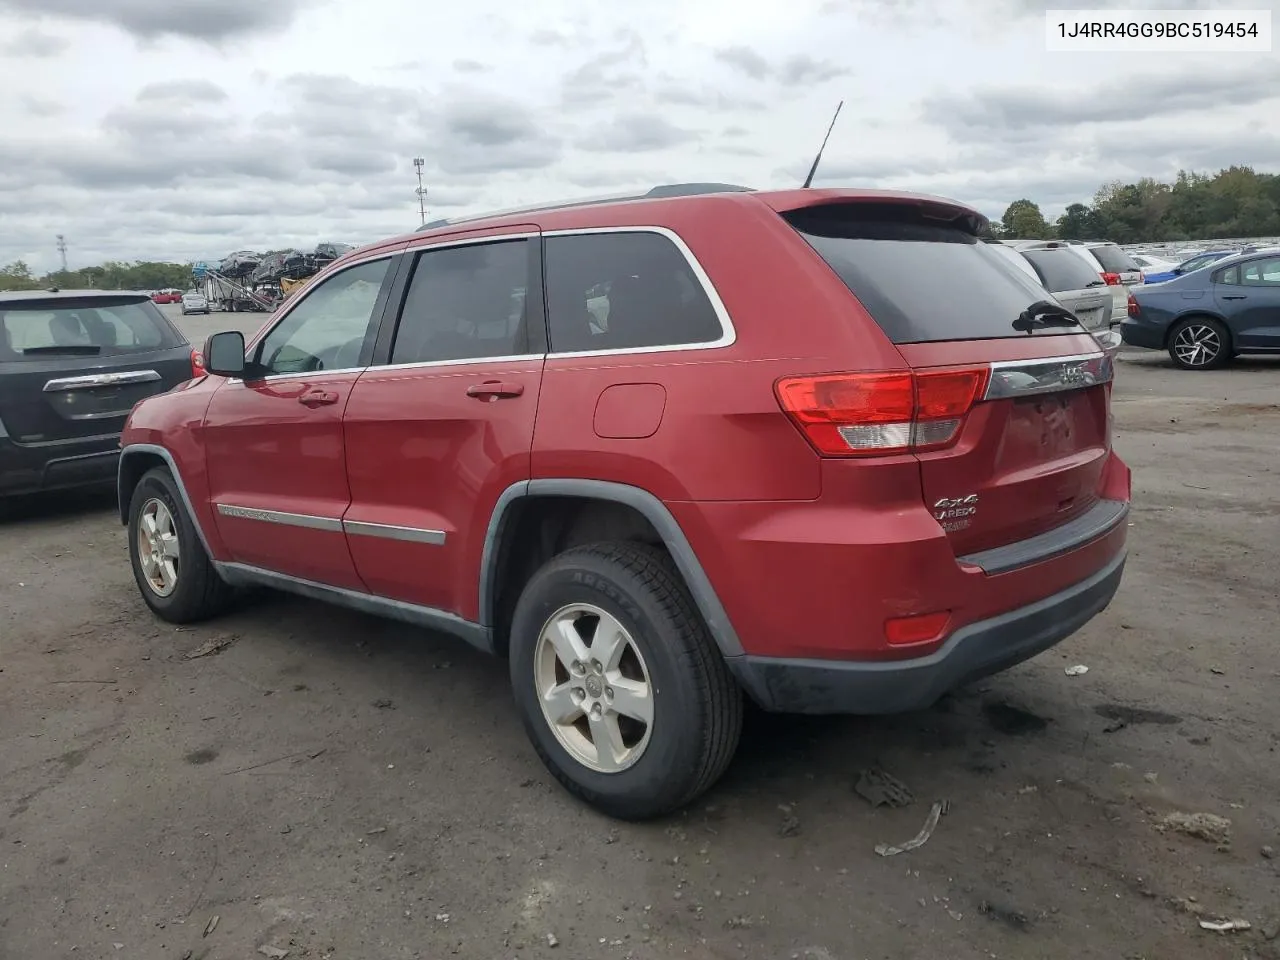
<point>112,275</point>
<point>1234,203</point>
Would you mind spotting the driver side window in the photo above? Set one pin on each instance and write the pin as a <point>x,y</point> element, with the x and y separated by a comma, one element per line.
<point>326,331</point>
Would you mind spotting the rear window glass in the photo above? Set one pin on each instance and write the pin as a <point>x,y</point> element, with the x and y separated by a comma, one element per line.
<point>921,280</point>
<point>98,327</point>
<point>1114,260</point>
<point>1062,270</point>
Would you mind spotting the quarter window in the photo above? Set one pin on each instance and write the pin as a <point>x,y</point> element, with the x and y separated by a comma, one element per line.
<point>327,329</point>
<point>465,303</point>
<point>613,291</point>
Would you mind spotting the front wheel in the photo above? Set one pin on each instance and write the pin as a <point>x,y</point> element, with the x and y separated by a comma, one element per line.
<point>1200,343</point>
<point>621,689</point>
<point>174,574</point>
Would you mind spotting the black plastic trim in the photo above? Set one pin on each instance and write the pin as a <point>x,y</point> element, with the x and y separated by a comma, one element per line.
<point>1099,520</point>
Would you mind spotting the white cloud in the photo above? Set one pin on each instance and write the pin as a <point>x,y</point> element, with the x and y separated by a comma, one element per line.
<point>154,129</point>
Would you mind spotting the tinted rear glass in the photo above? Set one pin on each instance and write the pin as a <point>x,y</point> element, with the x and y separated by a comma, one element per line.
<point>921,280</point>
<point>1062,270</point>
<point>100,327</point>
<point>1114,260</point>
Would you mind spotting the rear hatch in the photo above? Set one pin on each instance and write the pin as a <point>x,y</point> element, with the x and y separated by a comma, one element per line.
<point>74,366</point>
<point>1010,415</point>
<point>1075,285</point>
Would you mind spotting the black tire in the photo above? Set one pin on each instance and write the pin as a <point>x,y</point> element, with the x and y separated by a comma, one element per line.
<point>1214,340</point>
<point>697,705</point>
<point>199,592</point>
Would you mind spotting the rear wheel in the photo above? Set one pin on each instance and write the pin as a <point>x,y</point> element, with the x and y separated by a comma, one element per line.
<point>620,687</point>
<point>1199,343</point>
<point>174,574</point>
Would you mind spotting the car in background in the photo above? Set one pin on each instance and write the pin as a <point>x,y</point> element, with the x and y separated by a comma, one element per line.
<point>1065,275</point>
<point>1194,263</point>
<point>166,296</point>
<point>1074,283</point>
<point>72,365</point>
<point>1152,265</point>
<point>1206,317</point>
<point>194,303</point>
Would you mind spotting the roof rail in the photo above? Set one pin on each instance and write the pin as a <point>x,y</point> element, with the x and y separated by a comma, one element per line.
<point>662,191</point>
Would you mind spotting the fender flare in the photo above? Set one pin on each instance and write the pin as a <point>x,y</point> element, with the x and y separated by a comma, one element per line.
<point>648,506</point>
<point>136,449</point>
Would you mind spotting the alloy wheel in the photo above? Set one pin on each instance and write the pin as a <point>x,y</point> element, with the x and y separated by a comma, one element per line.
<point>1197,345</point>
<point>158,549</point>
<point>594,687</point>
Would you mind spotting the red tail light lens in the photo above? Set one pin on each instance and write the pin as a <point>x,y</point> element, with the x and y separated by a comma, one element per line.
<point>1132,307</point>
<point>197,364</point>
<point>876,414</point>
<point>1111,279</point>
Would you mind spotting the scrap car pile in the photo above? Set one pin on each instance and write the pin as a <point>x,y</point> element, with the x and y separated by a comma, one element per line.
<point>246,281</point>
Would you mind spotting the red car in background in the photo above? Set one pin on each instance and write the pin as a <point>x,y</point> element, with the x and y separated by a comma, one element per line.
<point>167,296</point>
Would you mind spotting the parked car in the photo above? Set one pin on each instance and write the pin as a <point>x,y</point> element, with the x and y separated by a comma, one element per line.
<point>72,364</point>
<point>677,499</point>
<point>166,296</point>
<point>1194,263</point>
<point>1206,317</point>
<point>1073,282</point>
<point>1152,265</point>
<point>194,303</point>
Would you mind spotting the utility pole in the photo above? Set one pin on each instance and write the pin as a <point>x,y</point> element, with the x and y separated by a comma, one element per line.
<point>62,250</point>
<point>421,191</point>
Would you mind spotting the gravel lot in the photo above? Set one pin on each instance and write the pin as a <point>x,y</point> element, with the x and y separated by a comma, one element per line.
<point>337,786</point>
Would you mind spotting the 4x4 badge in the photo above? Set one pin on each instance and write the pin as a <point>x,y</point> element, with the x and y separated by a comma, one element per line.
<point>953,508</point>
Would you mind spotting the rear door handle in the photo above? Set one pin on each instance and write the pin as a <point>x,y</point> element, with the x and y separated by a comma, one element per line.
<point>318,398</point>
<point>494,389</point>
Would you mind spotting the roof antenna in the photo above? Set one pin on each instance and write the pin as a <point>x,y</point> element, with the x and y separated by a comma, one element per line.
<point>816,160</point>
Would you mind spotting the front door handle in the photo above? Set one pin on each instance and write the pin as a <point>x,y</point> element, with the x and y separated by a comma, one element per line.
<point>318,398</point>
<point>494,389</point>
<point>1234,296</point>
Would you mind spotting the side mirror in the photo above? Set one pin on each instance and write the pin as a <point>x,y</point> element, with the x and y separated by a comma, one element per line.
<point>224,354</point>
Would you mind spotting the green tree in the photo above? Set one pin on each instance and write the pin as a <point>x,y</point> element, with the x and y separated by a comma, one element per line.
<point>1023,220</point>
<point>1076,223</point>
<point>17,276</point>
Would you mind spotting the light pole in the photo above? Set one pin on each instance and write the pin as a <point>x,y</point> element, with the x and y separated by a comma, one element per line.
<point>422,191</point>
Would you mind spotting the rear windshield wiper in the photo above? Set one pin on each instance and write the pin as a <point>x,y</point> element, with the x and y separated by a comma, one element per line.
<point>1042,313</point>
<point>75,350</point>
<point>1094,283</point>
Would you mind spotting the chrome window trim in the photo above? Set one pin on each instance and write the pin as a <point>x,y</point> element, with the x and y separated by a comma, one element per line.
<point>307,521</point>
<point>268,329</point>
<point>728,333</point>
<point>1049,375</point>
<point>111,379</point>
<point>426,364</point>
<point>391,531</point>
<point>306,375</point>
<point>424,245</point>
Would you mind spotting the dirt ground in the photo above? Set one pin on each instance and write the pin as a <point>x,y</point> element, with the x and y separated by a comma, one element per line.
<point>336,786</point>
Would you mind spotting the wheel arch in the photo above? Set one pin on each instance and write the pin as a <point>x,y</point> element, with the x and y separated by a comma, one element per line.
<point>505,528</point>
<point>135,460</point>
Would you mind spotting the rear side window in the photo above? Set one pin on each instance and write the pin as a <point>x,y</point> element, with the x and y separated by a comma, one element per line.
<point>921,280</point>
<point>465,303</point>
<point>1062,270</point>
<point>97,327</point>
<point>1113,259</point>
<point>618,291</point>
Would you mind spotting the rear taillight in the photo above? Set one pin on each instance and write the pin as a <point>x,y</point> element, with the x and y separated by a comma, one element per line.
<point>875,414</point>
<point>1131,307</point>
<point>197,364</point>
<point>1111,279</point>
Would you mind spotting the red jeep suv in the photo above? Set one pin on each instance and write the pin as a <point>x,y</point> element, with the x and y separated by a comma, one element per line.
<point>819,448</point>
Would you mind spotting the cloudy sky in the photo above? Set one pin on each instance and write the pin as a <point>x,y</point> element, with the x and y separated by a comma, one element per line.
<point>178,129</point>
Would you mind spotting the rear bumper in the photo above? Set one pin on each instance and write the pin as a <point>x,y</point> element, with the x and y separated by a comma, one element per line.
<point>57,465</point>
<point>1139,333</point>
<point>973,652</point>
